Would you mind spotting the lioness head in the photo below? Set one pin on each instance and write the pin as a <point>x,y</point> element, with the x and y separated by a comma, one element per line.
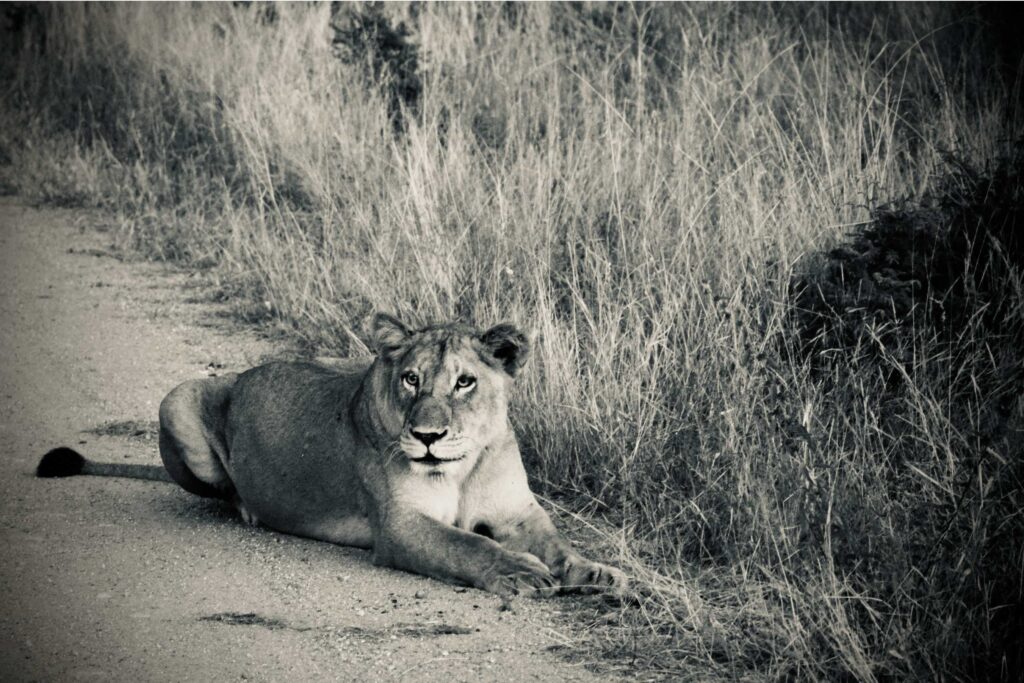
<point>442,390</point>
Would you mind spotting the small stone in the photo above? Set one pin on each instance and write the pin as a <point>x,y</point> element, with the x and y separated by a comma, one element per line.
<point>420,595</point>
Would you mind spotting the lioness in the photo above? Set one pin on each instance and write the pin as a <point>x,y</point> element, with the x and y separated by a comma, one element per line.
<point>409,453</point>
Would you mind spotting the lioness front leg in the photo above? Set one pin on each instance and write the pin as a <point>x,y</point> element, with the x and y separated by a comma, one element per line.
<point>535,534</point>
<point>421,544</point>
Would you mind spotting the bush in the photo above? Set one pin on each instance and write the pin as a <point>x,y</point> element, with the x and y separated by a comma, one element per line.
<point>923,306</point>
<point>936,264</point>
<point>364,37</point>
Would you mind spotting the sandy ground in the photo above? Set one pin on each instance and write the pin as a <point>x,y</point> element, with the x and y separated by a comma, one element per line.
<point>112,579</point>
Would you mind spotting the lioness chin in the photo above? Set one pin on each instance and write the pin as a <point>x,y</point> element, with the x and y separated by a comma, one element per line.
<point>409,453</point>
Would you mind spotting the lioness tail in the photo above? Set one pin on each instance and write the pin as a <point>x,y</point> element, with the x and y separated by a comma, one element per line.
<point>67,462</point>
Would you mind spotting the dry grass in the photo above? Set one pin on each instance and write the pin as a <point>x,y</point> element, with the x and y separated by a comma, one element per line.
<point>640,186</point>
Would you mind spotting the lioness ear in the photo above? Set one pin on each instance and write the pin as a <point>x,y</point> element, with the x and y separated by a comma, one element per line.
<point>507,345</point>
<point>387,333</point>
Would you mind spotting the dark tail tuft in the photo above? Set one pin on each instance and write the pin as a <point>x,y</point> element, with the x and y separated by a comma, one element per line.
<point>61,462</point>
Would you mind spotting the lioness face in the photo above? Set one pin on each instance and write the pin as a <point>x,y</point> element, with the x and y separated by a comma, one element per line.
<point>446,388</point>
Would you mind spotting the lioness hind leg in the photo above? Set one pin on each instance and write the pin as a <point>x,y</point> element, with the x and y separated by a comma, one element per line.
<point>192,444</point>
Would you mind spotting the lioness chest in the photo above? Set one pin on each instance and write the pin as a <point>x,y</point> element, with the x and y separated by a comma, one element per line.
<point>436,497</point>
<point>455,502</point>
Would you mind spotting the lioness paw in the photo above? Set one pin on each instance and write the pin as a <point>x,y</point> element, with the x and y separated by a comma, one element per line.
<point>520,574</point>
<point>582,575</point>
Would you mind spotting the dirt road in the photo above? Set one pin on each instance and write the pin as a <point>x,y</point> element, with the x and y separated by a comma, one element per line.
<point>107,579</point>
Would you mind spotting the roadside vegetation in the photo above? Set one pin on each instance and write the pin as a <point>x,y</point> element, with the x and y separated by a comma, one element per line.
<point>771,256</point>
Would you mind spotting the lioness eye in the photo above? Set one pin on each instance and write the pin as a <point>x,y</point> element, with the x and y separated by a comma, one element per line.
<point>411,379</point>
<point>464,382</point>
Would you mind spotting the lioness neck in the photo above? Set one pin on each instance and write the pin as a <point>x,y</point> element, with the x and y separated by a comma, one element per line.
<point>367,418</point>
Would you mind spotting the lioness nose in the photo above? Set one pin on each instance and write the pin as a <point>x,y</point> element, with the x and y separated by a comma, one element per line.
<point>429,437</point>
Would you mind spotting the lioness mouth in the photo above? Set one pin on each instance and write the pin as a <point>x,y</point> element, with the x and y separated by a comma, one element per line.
<point>431,459</point>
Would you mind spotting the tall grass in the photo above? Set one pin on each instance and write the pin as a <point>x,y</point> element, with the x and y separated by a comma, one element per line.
<point>639,186</point>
